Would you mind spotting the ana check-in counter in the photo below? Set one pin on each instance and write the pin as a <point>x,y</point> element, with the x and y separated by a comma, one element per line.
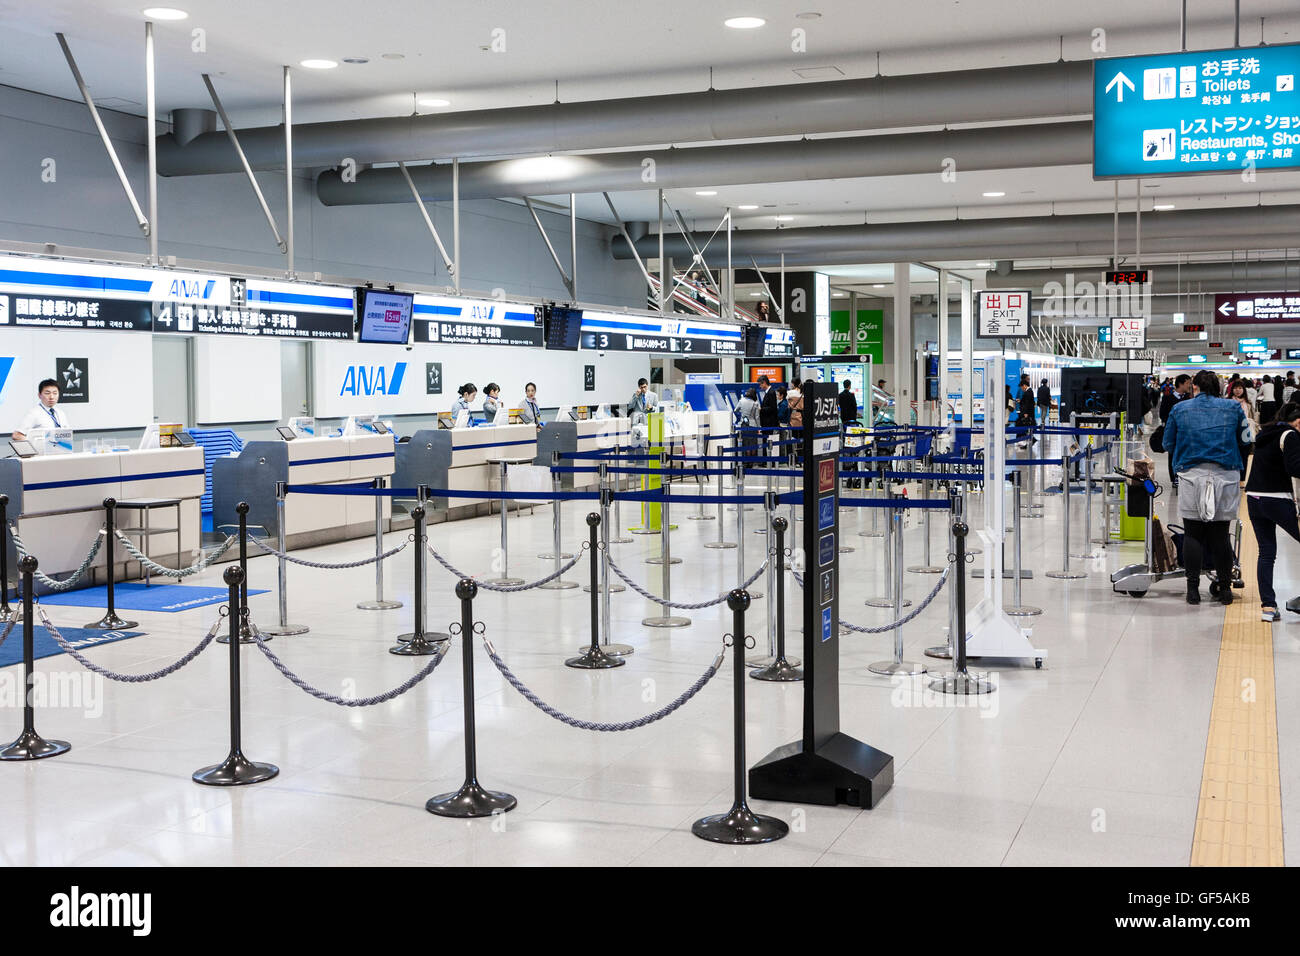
<point>309,519</point>
<point>586,437</point>
<point>58,504</point>
<point>458,459</point>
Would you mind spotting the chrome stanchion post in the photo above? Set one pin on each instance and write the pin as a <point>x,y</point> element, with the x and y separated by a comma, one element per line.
<point>740,533</point>
<point>471,800</point>
<point>617,537</point>
<point>739,825</point>
<point>887,563</point>
<point>960,680</point>
<point>556,550</point>
<point>593,657</point>
<point>955,504</point>
<point>926,567</point>
<point>781,668</point>
<point>667,560</point>
<point>1065,574</point>
<point>1020,609</point>
<point>897,666</point>
<point>4,555</point>
<point>606,576</point>
<point>284,628</point>
<point>665,529</point>
<point>110,621</point>
<point>418,642</point>
<point>505,579</point>
<point>30,745</point>
<point>236,770</point>
<point>1087,505</point>
<point>379,603</point>
<point>876,483</point>
<point>699,493</point>
<point>720,544</point>
<point>602,482</point>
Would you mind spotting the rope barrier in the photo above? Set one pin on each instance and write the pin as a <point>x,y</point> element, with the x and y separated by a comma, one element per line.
<point>178,573</point>
<point>342,566</point>
<point>319,694</point>
<point>67,583</point>
<point>658,497</point>
<point>906,618</point>
<point>674,604</point>
<point>511,588</point>
<point>564,718</point>
<point>128,678</point>
<point>10,621</point>
<point>931,475</point>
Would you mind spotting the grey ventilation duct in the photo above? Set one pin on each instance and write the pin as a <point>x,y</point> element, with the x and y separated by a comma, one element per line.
<point>1207,230</point>
<point>1043,144</point>
<point>883,102</point>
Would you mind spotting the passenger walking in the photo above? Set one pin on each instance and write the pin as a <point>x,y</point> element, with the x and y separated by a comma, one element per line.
<point>1270,500</point>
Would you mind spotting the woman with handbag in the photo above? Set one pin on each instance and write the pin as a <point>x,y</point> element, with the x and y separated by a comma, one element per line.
<point>1270,498</point>
<point>1237,392</point>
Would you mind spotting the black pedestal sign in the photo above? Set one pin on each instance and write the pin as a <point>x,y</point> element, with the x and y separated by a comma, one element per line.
<point>825,766</point>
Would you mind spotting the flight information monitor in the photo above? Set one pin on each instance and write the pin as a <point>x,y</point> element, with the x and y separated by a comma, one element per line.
<point>563,328</point>
<point>384,316</point>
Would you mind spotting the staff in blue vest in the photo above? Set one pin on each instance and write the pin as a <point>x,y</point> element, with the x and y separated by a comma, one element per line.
<point>45,414</point>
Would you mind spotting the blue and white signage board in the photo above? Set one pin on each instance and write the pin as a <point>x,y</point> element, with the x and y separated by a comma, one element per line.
<point>453,320</point>
<point>626,332</point>
<point>1196,112</point>
<point>55,278</point>
<point>363,379</point>
<point>779,343</point>
<point>290,310</point>
<point>709,338</point>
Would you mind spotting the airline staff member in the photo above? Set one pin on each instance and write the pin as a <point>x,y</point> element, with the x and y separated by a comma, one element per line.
<point>491,400</point>
<point>643,400</point>
<point>531,412</point>
<point>467,393</point>
<point>45,414</point>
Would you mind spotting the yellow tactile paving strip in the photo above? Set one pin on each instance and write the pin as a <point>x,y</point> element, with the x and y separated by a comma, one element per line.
<point>1239,817</point>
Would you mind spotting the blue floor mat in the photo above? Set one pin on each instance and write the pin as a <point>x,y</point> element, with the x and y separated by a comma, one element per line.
<point>43,645</point>
<point>134,596</point>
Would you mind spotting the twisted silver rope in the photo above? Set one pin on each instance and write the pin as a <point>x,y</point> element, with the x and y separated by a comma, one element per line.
<point>676,604</point>
<point>14,616</point>
<point>327,566</point>
<point>614,727</point>
<point>885,628</point>
<point>127,678</point>
<point>510,588</point>
<point>177,573</point>
<point>349,701</point>
<point>70,580</point>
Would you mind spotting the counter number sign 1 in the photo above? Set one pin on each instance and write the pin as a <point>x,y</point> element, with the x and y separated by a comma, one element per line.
<point>1004,313</point>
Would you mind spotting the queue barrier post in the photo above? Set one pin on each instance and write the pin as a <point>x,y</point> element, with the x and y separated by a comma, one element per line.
<point>956,504</point>
<point>419,642</point>
<point>1065,574</point>
<point>665,529</point>
<point>740,533</point>
<point>877,481</point>
<point>606,579</point>
<point>617,537</point>
<point>557,552</point>
<point>471,800</point>
<point>700,484</point>
<point>666,559</point>
<point>380,603</point>
<point>245,631</point>
<point>284,628</point>
<point>236,770</point>
<point>110,621</point>
<point>781,668</point>
<point>960,680</point>
<point>504,579</point>
<point>593,656</point>
<point>1019,608</point>
<point>898,667</point>
<point>740,825</point>
<point>1087,551</point>
<point>602,482</point>
<point>4,555</point>
<point>720,544</point>
<point>30,745</point>
<point>926,566</point>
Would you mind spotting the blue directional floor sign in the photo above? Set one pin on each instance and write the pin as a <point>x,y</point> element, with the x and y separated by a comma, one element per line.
<point>1208,111</point>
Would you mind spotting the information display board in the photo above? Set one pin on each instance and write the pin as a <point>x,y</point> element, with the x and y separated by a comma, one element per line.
<point>384,317</point>
<point>1256,308</point>
<point>61,312</point>
<point>1196,112</point>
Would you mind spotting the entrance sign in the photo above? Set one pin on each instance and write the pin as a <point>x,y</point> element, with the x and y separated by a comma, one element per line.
<point>1256,308</point>
<point>1128,333</point>
<point>1196,112</point>
<point>825,766</point>
<point>1004,313</point>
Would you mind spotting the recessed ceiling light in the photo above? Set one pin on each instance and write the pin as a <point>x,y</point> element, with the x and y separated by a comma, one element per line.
<point>433,101</point>
<point>319,64</point>
<point>164,13</point>
<point>744,23</point>
<point>747,206</point>
<point>757,295</point>
<point>356,59</point>
<point>393,56</point>
<point>878,285</point>
<point>837,295</point>
<point>783,218</point>
<point>993,195</point>
<point>811,15</point>
<point>1162,206</point>
<point>983,265</point>
<point>706,192</point>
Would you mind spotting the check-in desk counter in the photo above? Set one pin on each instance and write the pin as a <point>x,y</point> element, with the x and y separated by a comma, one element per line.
<point>586,437</point>
<point>58,504</point>
<point>457,459</point>
<point>309,519</point>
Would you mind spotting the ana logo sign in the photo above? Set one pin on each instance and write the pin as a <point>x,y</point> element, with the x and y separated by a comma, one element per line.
<point>191,288</point>
<point>373,380</point>
<point>6,366</point>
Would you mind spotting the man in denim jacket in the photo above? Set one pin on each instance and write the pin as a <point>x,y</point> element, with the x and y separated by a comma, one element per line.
<point>1201,439</point>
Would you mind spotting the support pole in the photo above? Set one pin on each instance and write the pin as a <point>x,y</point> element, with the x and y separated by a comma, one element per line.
<point>288,174</point>
<point>593,657</point>
<point>5,609</point>
<point>780,669</point>
<point>1020,608</point>
<point>1087,552</point>
<point>898,666</point>
<point>30,745</point>
<point>471,800</point>
<point>420,643</point>
<point>960,680</point>
<point>666,559</point>
<point>151,120</point>
<point>720,544</point>
<point>606,576</point>
<point>284,628</point>
<point>236,770</point>
<point>110,621</point>
<point>455,221</point>
<point>739,825</point>
<point>379,603</point>
<point>505,579</point>
<point>1065,574</point>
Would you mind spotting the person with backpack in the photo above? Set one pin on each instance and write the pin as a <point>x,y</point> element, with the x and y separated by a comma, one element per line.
<point>1270,498</point>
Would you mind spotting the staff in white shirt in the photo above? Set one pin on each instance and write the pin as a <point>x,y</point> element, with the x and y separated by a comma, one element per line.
<point>45,414</point>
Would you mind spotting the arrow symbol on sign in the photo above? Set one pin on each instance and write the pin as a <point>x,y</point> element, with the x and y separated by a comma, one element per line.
<point>1120,81</point>
<point>1226,309</point>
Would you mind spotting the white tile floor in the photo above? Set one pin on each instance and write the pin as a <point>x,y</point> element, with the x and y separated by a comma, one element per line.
<point>1094,760</point>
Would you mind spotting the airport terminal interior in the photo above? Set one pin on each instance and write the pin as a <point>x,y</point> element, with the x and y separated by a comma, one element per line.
<point>784,434</point>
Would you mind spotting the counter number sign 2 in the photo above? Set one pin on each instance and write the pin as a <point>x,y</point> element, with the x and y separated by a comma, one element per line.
<point>1004,313</point>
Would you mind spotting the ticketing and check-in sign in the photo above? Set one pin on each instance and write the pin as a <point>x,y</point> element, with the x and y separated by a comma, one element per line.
<point>1004,313</point>
<point>1196,112</point>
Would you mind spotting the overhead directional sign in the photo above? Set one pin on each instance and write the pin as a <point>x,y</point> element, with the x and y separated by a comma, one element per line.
<point>1196,112</point>
<point>1251,308</point>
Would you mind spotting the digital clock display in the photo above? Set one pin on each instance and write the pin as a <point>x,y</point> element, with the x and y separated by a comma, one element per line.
<point>1131,277</point>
